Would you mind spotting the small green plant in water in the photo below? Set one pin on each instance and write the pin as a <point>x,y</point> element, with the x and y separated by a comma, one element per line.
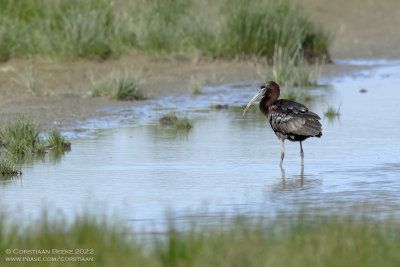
<point>7,168</point>
<point>56,141</point>
<point>21,137</point>
<point>120,86</point>
<point>332,112</point>
<point>179,122</point>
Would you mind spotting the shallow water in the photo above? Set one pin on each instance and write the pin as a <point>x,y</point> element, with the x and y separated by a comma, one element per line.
<point>138,170</point>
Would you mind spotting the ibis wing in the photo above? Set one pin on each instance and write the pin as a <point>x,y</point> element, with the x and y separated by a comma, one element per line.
<point>293,106</point>
<point>289,117</point>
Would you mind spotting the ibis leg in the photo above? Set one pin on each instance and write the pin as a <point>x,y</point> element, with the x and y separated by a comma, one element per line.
<point>301,154</point>
<point>282,152</point>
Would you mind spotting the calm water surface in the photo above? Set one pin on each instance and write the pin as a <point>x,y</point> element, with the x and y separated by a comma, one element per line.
<point>138,171</point>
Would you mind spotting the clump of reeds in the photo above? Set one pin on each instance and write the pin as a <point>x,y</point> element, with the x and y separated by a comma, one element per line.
<point>178,122</point>
<point>120,86</point>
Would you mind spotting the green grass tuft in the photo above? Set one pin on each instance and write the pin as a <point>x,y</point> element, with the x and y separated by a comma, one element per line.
<point>21,137</point>
<point>179,122</point>
<point>117,86</point>
<point>332,112</point>
<point>292,72</point>
<point>290,68</point>
<point>8,168</point>
<point>56,141</point>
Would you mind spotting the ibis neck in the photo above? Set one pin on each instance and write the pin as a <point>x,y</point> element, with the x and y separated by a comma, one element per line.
<point>265,103</point>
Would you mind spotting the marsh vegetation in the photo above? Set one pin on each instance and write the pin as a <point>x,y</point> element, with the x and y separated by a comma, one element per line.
<point>293,72</point>
<point>298,241</point>
<point>99,29</point>
<point>195,85</point>
<point>8,168</point>
<point>331,113</point>
<point>176,121</point>
<point>125,85</point>
<point>21,138</point>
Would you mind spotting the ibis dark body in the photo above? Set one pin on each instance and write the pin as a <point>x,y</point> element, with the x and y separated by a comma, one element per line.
<point>289,120</point>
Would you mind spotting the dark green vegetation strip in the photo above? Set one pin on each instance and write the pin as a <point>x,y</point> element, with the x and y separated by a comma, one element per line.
<point>317,241</point>
<point>101,28</point>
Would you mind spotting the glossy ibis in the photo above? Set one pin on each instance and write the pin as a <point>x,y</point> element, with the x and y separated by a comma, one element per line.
<point>289,120</point>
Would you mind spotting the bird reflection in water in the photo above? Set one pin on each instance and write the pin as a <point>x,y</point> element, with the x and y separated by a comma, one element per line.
<point>284,176</point>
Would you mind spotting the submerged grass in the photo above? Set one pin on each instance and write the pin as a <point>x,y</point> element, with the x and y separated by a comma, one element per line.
<point>178,122</point>
<point>101,28</point>
<point>120,86</point>
<point>294,241</point>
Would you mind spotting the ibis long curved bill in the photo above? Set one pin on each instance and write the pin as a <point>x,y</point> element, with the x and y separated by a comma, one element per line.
<point>258,95</point>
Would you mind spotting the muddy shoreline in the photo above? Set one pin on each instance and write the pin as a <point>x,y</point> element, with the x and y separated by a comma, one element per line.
<point>57,93</point>
<point>61,96</point>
